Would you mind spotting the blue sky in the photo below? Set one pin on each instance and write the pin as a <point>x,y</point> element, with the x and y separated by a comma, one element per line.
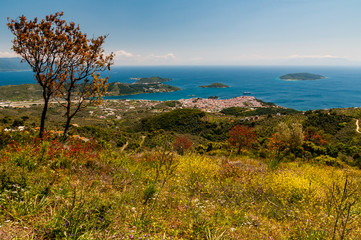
<point>209,32</point>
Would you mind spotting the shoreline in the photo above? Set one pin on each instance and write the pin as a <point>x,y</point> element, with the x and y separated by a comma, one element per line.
<point>204,104</point>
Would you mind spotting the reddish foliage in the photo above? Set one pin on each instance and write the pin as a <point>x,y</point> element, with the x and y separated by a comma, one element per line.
<point>312,136</point>
<point>276,144</point>
<point>241,137</point>
<point>182,144</point>
<point>74,149</point>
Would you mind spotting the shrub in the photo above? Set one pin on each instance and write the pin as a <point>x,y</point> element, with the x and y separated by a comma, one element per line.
<point>329,161</point>
<point>241,137</point>
<point>182,144</point>
<point>179,120</point>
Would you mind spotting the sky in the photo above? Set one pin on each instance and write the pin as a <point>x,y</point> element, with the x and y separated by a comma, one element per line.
<point>208,32</point>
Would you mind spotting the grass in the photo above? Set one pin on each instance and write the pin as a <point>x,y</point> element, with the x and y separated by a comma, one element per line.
<point>77,190</point>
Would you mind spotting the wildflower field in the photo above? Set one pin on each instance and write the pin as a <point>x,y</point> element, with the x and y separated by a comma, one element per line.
<point>87,190</point>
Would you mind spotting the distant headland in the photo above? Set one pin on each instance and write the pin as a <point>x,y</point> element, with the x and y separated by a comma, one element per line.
<point>301,76</point>
<point>26,92</point>
<point>215,85</point>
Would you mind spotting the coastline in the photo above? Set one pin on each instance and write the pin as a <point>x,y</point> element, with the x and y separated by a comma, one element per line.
<point>340,89</point>
<point>204,104</point>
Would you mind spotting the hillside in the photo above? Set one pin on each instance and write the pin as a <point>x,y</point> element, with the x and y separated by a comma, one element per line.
<point>30,92</point>
<point>130,172</point>
<point>23,92</point>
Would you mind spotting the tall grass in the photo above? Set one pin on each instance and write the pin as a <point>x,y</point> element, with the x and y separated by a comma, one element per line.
<point>78,190</point>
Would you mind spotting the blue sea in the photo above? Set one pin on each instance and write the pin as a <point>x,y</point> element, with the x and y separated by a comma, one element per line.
<point>341,88</point>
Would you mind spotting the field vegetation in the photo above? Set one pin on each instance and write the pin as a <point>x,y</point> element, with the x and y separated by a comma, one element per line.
<point>180,174</point>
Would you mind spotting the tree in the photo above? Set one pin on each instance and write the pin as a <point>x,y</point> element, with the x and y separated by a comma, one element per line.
<point>314,135</point>
<point>182,144</point>
<point>59,55</point>
<point>285,140</point>
<point>241,137</point>
<point>291,135</point>
<point>83,86</point>
<point>75,97</point>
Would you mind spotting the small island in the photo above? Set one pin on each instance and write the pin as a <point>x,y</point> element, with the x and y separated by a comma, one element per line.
<point>119,89</point>
<point>301,76</point>
<point>215,85</point>
<point>151,80</point>
<point>142,85</point>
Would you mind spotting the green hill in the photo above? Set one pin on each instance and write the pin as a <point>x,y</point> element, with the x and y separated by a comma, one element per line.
<point>22,92</point>
<point>30,92</point>
<point>301,76</point>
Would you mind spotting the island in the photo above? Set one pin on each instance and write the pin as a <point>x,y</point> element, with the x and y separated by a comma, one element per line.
<point>301,76</point>
<point>151,80</point>
<point>119,89</point>
<point>141,85</point>
<point>215,85</point>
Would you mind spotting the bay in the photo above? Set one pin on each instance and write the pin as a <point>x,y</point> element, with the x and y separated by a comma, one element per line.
<point>341,88</point>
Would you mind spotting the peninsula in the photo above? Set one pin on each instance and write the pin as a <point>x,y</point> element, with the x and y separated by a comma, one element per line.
<point>32,92</point>
<point>301,76</point>
<point>215,85</point>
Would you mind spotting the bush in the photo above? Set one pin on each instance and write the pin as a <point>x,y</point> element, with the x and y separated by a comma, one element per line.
<point>329,161</point>
<point>182,144</point>
<point>179,120</point>
<point>5,138</point>
<point>329,123</point>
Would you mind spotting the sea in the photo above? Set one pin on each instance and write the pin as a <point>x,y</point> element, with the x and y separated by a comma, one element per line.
<point>340,89</point>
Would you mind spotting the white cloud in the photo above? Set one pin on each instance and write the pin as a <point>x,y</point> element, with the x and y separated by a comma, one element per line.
<point>8,55</point>
<point>166,56</point>
<point>123,53</point>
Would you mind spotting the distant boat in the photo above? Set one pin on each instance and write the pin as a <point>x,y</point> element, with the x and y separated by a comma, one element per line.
<point>191,95</point>
<point>246,93</point>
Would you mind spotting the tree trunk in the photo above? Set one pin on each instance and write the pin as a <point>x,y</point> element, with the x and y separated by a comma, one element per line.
<point>42,120</point>
<point>239,150</point>
<point>66,128</point>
